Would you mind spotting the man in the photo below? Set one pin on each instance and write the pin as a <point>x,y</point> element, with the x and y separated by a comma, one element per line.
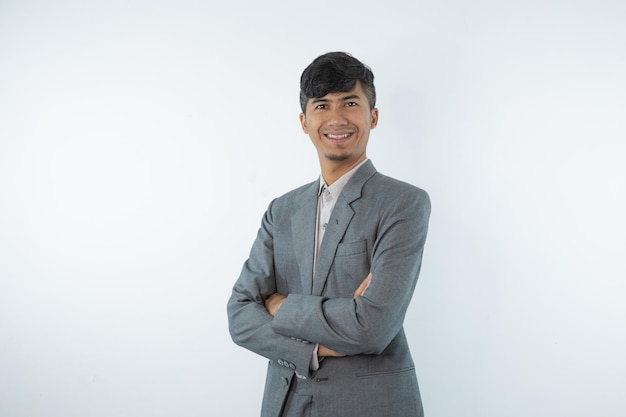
<point>331,273</point>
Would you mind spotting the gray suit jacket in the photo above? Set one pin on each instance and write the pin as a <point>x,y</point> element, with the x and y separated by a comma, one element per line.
<point>378,224</point>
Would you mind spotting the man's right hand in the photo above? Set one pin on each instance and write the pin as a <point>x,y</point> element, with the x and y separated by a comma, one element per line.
<point>324,351</point>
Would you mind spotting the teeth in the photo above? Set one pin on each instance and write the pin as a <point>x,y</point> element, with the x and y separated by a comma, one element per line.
<point>345,135</point>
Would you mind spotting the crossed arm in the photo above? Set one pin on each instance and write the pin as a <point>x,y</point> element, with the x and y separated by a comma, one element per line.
<point>274,301</point>
<point>363,324</point>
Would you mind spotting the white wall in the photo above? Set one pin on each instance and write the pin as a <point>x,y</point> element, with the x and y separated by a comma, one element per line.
<point>140,142</point>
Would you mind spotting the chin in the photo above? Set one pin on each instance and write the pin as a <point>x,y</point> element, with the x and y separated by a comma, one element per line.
<point>338,158</point>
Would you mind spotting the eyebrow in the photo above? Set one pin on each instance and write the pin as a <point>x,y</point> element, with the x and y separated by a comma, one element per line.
<point>351,97</point>
<point>345,98</point>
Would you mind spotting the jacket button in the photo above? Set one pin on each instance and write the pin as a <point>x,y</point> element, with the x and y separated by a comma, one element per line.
<point>285,381</point>
<point>280,362</point>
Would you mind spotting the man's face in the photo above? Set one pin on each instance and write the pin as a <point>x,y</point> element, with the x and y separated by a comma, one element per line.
<point>339,125</point>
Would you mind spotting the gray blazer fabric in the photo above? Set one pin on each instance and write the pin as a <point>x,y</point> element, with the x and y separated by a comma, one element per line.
<point>378,224</point>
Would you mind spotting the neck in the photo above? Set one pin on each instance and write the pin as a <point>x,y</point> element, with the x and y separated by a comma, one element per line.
<point>333,170</point>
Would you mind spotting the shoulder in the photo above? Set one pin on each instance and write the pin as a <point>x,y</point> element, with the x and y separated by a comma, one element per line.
<point>298,193</point>
<point>387,188</point>
<point>295,197</point>
<point>394,199</point>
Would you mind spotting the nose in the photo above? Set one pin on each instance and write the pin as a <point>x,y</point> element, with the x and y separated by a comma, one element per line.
<point>337,117</point>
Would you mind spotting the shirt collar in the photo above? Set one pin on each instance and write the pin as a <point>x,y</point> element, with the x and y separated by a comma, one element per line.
<point>337,186</point>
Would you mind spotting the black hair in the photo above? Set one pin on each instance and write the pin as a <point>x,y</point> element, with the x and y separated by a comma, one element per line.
<point>335,72</point>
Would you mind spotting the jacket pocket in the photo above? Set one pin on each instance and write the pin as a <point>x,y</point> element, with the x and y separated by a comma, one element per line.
<point>384,373</point>
<point>351,248</point>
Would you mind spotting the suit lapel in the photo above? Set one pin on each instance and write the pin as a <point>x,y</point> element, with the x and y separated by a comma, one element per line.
<point>303,234</point>
<point>339,221</point>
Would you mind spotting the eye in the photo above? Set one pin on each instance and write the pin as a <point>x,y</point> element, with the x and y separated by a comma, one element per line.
<point>351,104</point>
<point>321,106</point>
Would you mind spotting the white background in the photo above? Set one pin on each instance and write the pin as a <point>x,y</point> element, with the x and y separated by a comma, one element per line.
<point>141,141</point>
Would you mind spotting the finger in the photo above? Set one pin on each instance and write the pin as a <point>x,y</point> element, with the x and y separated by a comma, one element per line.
<point>366,283</point>
<point>363,286</point>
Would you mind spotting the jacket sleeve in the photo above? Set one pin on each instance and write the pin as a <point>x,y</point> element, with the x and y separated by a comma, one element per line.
<point>368,324</point>
<point>250,324</point>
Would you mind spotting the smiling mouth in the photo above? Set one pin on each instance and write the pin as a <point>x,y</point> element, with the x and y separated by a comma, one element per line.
<point>338,137</point>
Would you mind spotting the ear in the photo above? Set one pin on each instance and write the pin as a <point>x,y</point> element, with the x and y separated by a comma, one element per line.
<point>374,118</point>
<point>303,123</point>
